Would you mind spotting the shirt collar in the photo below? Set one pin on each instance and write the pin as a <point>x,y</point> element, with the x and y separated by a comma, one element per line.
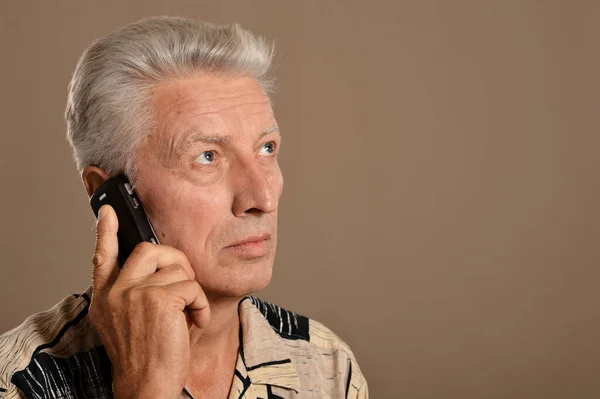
<point>264,354</point>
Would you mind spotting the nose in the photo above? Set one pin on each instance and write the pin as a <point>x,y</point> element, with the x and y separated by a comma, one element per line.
<point>255,189</point>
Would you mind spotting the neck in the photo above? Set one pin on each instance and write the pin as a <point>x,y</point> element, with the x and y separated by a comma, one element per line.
<point>219,341</point>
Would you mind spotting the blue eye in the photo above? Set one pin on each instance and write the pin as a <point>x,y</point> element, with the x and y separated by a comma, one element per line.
<point>207,157</point>
<point>268,148</point>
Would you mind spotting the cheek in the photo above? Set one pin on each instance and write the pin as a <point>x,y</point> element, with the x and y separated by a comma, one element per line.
<point>186,217</point>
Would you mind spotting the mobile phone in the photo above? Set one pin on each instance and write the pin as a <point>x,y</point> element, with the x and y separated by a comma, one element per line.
<point>134,225</point>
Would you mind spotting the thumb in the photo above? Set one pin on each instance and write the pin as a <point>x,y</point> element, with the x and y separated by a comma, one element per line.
<point>106,265</point>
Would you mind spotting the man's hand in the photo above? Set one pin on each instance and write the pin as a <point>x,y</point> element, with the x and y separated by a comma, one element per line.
<point>143,313</point>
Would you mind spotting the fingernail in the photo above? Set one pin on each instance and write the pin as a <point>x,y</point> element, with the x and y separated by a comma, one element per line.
<point>102,212</point>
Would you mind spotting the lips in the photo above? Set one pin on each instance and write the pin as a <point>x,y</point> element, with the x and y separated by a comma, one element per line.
<point>251,247</point>
<point>252,239</point>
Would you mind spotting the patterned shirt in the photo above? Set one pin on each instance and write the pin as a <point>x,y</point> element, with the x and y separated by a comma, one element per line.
<point>58,354</point>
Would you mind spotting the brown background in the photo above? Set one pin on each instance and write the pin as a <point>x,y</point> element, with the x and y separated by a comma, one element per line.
<point>441,181</point>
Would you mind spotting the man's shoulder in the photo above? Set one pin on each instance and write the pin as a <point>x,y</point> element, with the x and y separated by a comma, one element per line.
<point>323,360</point>
<point>45,344</point>
<point>291,325</point>
<point>312,334</point>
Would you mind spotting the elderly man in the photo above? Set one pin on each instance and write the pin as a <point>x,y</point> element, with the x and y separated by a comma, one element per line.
<point>180,107</point>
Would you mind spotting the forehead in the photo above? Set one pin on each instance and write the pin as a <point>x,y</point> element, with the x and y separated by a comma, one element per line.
<point>209,97</point>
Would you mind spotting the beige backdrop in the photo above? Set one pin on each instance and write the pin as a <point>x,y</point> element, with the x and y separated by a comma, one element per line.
<point>440,210</point>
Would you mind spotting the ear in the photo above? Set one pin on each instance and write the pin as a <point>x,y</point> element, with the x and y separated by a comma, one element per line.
<point>93,177</point>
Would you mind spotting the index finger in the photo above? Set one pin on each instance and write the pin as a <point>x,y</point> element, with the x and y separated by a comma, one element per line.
<point>147,258</point>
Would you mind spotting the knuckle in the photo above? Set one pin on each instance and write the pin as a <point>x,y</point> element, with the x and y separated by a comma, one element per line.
<point>179,253</point>
<point>184,259</point>
<point>181,272</point>
<point>143,247</point>
<point>185,264</point>
<point>129,295</point>
<point>176,254</point>
<point>153,296</point>
<point>99,258</point>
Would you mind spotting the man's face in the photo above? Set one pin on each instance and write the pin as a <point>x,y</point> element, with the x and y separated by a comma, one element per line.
<point>209,179</point>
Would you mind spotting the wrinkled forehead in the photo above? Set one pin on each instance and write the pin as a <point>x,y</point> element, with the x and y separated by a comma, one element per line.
<point>206,95</point>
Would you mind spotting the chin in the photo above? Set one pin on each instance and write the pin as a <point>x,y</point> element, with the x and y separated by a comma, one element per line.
<point>239,279</point>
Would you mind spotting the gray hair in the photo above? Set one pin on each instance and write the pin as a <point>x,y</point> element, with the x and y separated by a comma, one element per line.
<point>108,111</point>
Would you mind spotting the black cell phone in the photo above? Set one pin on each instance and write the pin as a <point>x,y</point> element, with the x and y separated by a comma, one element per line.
<point>134,225</point>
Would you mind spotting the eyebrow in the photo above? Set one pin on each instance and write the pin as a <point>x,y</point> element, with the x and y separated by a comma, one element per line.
<point>216,139</point>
